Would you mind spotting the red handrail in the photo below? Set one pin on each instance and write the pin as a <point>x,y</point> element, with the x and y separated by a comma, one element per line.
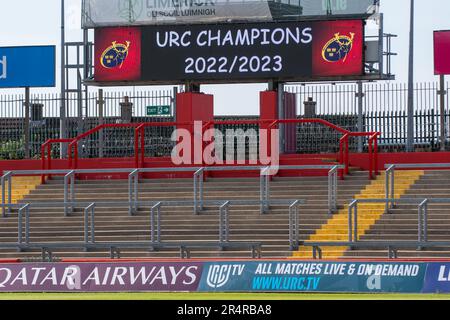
<point>140,134</point>
<point>47,146</point>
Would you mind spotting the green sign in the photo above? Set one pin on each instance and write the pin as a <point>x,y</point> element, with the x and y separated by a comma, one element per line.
<point>158,111</point>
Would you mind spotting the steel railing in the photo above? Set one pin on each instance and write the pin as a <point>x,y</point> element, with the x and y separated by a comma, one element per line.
<point>422,215</point>
<point>390,177</point>
<point>198,179</point>
<point>155,219</point>
<point>294,221</point>
<point>139,139</point>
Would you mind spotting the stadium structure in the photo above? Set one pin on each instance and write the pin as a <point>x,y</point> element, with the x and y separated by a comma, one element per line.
<point>158,178</point>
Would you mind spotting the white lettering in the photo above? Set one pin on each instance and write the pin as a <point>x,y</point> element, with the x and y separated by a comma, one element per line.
<point>50,276</point>
<point>4,68</point>
<point>93,276</point>
<point>119,272</point>
<point>21,276</point>
<point>36,274</point>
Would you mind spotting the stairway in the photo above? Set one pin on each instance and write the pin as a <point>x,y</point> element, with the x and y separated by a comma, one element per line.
<point>336,228</point>
<point>178,222</point>
<point>21,187</point>
<point>402,224</point>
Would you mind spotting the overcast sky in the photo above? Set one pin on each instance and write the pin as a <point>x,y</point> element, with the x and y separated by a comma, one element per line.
<point>31,22</point>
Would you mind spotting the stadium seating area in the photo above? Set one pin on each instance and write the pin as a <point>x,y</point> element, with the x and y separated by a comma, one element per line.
<point>179,224</point>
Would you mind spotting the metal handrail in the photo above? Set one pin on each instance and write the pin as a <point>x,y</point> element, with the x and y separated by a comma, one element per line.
<point>264,183</point>
<point>156,208</point>
<point>198,190</point>
<point>390,176</point>
<point>89,221</point>
<point>69,192</point>
<point>332,189</point>
<point>224,222</point>
<point>294,233</point>
<point>89,209</point>
<point>6,178</point>
<point>133,181</point>
<point>389,187</point>
<point>133,191</point>
<point>422,205</point>
<point>25,208</point>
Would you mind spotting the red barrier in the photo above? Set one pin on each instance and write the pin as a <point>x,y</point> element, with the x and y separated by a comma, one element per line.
<point>343,156</point>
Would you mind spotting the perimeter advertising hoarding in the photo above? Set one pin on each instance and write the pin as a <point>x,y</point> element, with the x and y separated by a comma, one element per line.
<point>220,276</point>
<point>437,279</point>
<point>31,66</point>
<point>100,277</point>
<point>442,52</point>
<point>230,52</point>
<point>282,276</point>
<point>113,13</point>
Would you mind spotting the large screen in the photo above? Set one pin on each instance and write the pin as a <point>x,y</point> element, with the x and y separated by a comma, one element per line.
<point>230,52</point>
<point>442,52</point>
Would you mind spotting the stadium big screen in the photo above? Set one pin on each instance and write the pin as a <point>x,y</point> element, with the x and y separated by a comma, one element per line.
<point>230,52</point>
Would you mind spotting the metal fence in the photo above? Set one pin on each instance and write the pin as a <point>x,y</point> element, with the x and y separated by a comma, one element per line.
<point>383,109</point>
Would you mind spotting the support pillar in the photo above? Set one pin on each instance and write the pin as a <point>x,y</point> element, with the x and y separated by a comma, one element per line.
<point>270,111</point>
<point>193,107</point>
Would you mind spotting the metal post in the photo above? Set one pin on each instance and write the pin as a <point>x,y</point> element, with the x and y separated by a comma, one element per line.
<point>281,115</point>
<point>101,103</point>
<point>360,96</point>
<point>90,210</point>
<point>423,221</point>
<point>261,192</point>
<point>27,223</point>
<point>26,127</point>
<point>351,208</point>
<point>224,222</point>
<point>92,222</point>
<point>268,191</point>
<point>264,185</point>
<point>155,209</point>
<point>6,179</point>
<point>294,235</point>
<point>389,187</point>
<point>63,130</point>
<point>86,226</point>
<point>133,191</point>
<point>442,94</point>
<point>19,226</point>
<point>355,222</point>
<point>198,190</point>
<point>69,196</point>
<point>393,186</point>
<point>410,134</point>
<point>332,190</point>
<point>174,101</point>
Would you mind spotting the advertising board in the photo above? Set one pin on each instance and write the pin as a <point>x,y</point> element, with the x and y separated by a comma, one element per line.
<point>113,13</point>
<point>32,66</point>
<point>282,276</point>
<point>441,52</point>
<point>100,277</point>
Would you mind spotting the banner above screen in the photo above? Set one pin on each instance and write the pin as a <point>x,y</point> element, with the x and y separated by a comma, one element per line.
<point>230,52</point>
<point>107,13</point>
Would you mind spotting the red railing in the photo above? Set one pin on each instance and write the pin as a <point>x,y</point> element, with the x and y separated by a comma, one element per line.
<point>47,146</point>
<point>139,133</point>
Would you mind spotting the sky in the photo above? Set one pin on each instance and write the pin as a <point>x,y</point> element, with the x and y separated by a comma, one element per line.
<point>31,22</point>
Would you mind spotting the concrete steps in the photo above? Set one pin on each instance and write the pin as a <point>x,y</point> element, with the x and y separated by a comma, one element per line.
<point>178,223</point>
